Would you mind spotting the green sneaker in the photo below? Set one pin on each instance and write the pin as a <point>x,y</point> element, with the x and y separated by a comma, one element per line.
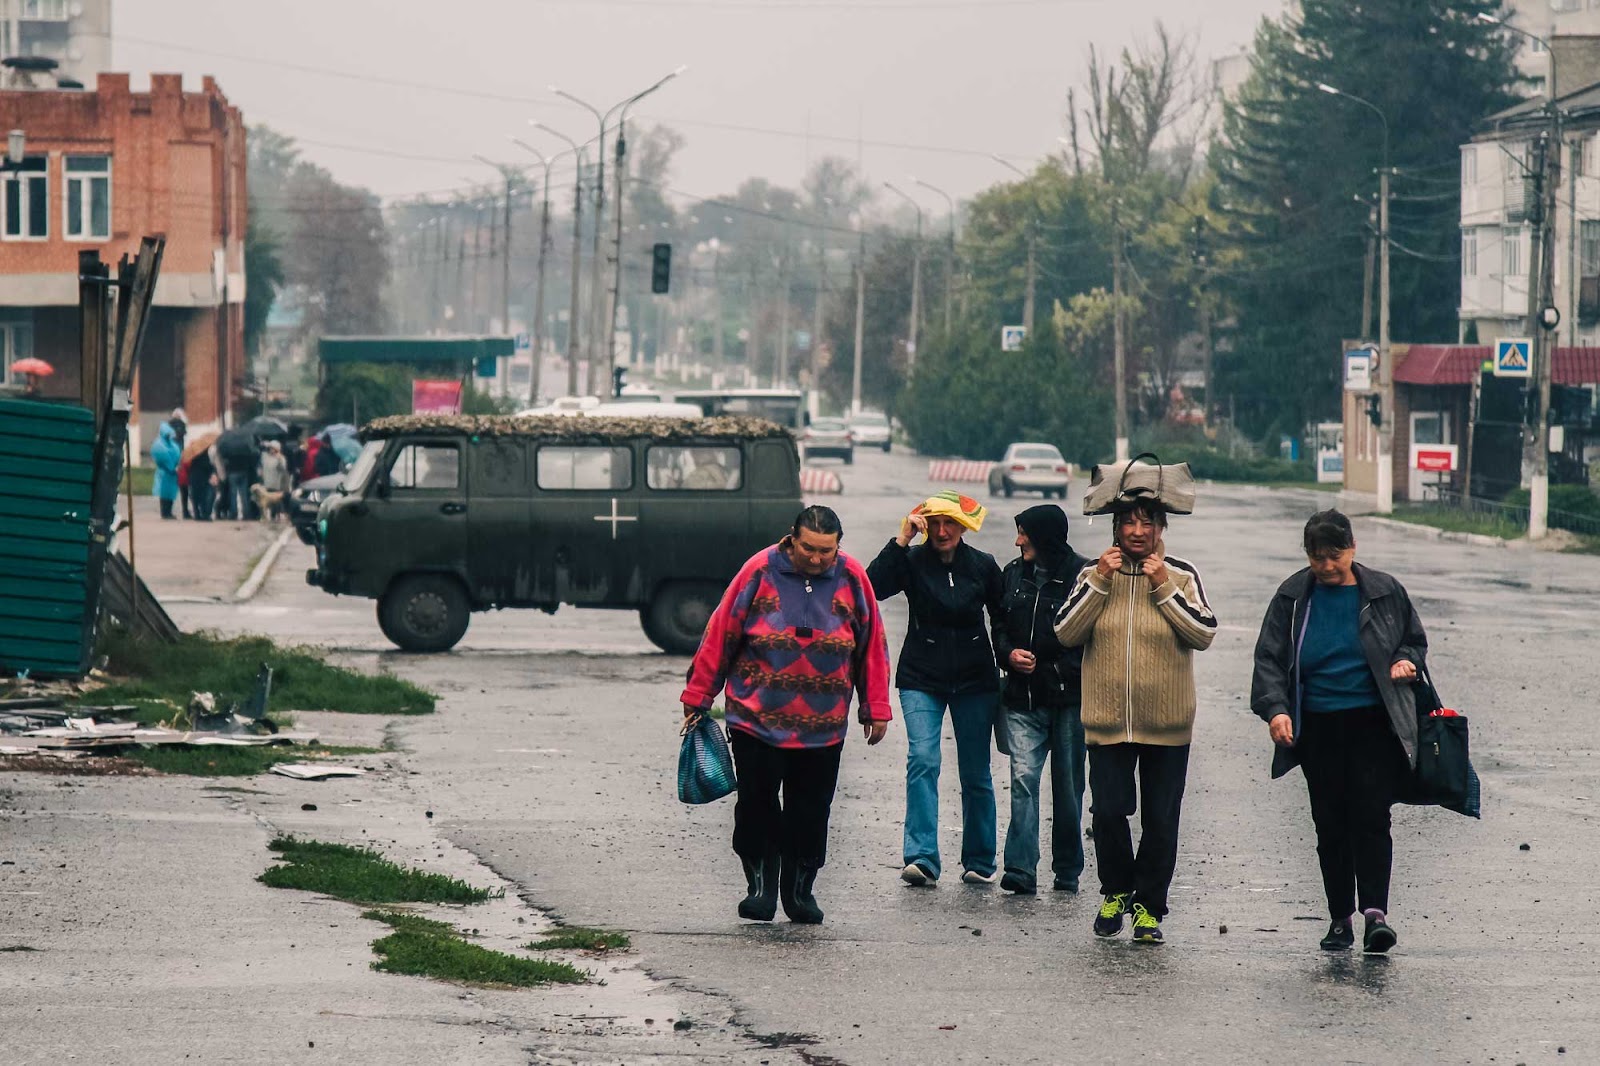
<point>1109,921</point>
<point>1146,926</point>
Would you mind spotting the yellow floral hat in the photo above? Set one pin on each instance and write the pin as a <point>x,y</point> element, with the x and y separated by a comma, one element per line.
<point>952,504</point>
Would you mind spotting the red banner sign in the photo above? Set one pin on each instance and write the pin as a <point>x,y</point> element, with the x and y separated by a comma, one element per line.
<point>1439,459</point>
<point>435,397</point>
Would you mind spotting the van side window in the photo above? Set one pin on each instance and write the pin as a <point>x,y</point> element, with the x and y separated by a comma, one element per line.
<point>680,466</point>
<point>772,470</point>
<point>564,466</point>
<point>499,467</point>
<point>426,466</point>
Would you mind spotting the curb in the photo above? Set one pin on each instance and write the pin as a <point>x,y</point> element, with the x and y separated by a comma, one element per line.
<point>258,576</point>
<point>1481,540</point>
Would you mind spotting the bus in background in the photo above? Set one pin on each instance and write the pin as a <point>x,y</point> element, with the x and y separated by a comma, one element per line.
<point>787,407</point>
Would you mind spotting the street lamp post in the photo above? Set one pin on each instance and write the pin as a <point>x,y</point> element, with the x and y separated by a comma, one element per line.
<point>597,308</point>
<point>545,162</point>
<point>1542,318</point>
<point>950,266</point>
<point>1030,276</point>
<point>620,171</point>
<point>916,279</point>
<point>573,312</point>
<point>1386,408</point>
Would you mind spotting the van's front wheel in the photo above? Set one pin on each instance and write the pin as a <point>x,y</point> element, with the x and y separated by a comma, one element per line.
<point>676,619</point>
<point>424,612</point>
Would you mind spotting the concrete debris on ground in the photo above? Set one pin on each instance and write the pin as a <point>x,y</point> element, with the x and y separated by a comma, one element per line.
<point>311,772</point>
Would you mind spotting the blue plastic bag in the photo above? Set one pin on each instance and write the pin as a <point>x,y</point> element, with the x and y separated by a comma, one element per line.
<point>705,766</point>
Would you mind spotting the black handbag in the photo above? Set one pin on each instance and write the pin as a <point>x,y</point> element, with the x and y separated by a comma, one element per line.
<point>1444,776</point>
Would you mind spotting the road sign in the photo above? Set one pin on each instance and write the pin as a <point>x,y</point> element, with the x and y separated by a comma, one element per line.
<point>1513,358</point>
<point>1434,458</point>
<point>524,342</point>
<point>1012,337</point>
<point>1358,366</point>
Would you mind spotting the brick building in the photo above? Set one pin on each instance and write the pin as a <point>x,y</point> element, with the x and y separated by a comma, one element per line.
<point>104,168</point>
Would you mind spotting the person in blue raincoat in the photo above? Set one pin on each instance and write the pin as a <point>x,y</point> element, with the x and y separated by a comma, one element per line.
<point>166,453</point>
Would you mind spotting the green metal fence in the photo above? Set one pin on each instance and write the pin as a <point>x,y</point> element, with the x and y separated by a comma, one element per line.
<point>46,481</point>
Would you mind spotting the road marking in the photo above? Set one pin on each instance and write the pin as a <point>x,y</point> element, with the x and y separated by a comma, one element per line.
<point>258,576</point>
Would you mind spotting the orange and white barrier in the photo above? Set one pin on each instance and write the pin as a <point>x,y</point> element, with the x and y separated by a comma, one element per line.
<point>942,470</point>
<point>814,480</point>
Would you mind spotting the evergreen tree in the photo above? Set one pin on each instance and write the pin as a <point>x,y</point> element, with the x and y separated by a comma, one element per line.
<point>1293,161</point>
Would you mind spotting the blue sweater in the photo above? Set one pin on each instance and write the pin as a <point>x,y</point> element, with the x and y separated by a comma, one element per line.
<point>1334,669</point>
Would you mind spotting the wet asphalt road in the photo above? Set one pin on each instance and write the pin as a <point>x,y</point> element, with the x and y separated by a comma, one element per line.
<point>553,760</point>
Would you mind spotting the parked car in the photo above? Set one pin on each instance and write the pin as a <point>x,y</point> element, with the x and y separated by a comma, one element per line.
<point>871,428</point>
<point>829,437</point>
<point>1030,467</point>
<point>445,516</point>
<point>303,503</point>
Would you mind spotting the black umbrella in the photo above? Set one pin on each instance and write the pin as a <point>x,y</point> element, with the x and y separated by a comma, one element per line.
<point>237,445</point>
<point>266,428</point>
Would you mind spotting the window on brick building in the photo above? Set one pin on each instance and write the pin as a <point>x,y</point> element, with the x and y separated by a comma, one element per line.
<point>27,200</point>
<point>88,196</point>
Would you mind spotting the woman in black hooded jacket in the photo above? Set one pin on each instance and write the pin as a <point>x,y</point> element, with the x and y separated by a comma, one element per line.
<point>1042,701</point>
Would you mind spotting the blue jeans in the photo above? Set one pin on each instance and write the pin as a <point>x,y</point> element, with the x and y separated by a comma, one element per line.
<point>243,506</point>
<point>973,718</point>
<point>1033,735</point>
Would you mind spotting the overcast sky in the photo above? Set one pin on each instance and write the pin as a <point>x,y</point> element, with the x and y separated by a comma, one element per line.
<point>428,85</point>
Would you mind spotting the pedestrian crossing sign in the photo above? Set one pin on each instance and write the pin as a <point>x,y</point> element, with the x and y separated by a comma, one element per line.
<point>1513,358</point>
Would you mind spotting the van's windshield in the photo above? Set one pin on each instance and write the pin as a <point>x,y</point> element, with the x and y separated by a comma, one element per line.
<point>355,480</point>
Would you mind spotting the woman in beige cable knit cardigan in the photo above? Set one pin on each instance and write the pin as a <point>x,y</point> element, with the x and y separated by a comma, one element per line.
<point>1140,615</point>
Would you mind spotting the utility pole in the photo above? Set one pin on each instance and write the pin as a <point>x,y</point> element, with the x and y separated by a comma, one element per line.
<point>505,262</point>
<point>782,376</point>
<point>861,317</point>
<point>1121,355</point>
<point>1544,334</point>
<point>1366,272</point>
<point>1202,261</point>
<point>1386,413</point>
<point>618,171</point>
<point>818,309</point>
<point>717,355</point>
<point>916,280</point>
<point>1031,280</point>
<point>1541,331</point>
<point>573,311</point>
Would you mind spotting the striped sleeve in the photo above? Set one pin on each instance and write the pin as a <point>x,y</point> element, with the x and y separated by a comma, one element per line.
<point>1075,621</point>
<point>1182,601</point>
<point>724,636</point>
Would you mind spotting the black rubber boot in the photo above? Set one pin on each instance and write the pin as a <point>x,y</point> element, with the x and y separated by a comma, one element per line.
<point>761,877</point>
<point>795,883</point>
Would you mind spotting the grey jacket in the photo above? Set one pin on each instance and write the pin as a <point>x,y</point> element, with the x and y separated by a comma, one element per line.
<point>1390,632</point>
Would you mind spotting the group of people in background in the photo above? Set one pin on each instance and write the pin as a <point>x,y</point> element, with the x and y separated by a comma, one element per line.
<point>213,477</point>
<point>1056,658</point>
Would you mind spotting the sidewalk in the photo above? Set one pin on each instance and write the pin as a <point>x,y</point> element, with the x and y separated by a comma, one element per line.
<point>135,932</point>
<point>194,560</point>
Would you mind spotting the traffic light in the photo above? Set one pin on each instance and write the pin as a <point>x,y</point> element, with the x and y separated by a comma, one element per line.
<point>1375,409</point>
<point>619,378</point>
<point>660,268</point>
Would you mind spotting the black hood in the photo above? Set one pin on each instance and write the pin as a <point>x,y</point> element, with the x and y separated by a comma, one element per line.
<point>1046,527</point>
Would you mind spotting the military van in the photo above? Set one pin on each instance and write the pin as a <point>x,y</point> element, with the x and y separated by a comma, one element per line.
<point>445,515</point>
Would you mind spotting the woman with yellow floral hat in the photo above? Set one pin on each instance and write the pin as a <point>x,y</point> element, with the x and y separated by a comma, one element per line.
<point>945,664</point>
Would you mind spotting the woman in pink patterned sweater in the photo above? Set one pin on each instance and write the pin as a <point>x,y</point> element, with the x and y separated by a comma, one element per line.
<point>796,633</point>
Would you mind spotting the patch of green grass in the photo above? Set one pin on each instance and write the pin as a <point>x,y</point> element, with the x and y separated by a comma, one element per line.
<point>1454,521</point>
<point>578,938</point>
<point>218,761</point>
<point>360,875</point>
<point>302,680</point>
<point>143,478</point>
<point>426,948</point>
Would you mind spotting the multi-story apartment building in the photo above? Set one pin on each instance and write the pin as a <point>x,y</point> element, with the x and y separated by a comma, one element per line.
<point>76,34</point>
<point>101,169</point>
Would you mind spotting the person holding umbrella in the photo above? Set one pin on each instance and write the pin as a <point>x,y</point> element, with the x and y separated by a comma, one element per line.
<point>32,369</point>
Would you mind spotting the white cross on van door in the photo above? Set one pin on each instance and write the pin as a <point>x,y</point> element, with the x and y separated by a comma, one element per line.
<point>615,517</point>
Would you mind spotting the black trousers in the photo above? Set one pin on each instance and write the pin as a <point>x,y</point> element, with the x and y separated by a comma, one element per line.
<point>1162,772</point>
<point>798,827</point>
<point>1353,766</point>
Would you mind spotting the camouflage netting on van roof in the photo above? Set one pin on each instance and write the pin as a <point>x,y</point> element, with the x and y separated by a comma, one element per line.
<point>574,428</point>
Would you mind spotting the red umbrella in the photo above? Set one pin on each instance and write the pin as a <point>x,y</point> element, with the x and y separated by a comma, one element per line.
<point>32,366</point>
